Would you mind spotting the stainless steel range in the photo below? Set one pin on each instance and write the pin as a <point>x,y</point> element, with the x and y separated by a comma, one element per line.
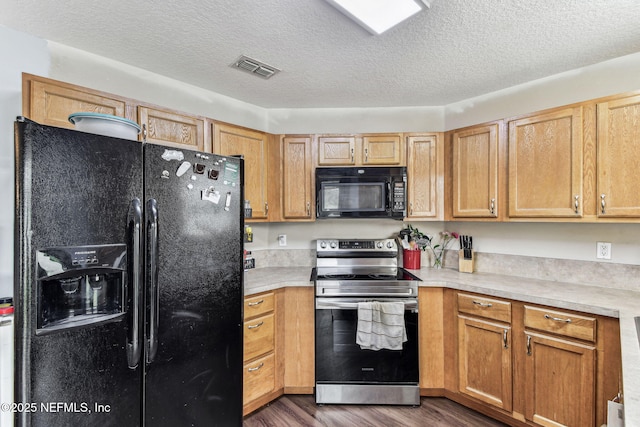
<point>347,274</point>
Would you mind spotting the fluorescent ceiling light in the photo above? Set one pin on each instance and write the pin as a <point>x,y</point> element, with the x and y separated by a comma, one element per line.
<point>377,16</point>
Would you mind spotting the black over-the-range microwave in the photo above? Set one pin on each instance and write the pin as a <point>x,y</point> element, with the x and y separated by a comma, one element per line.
<point>361,192</point>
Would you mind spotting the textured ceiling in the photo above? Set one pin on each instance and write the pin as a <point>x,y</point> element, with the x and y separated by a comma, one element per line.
<point>456,50</point>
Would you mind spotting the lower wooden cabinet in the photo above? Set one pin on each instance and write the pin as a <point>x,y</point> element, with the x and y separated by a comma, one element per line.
<point>278,345</point>
<point>484,361</point>
<point>259,377</point>
<point>526,364</point>
<point>261,349</point>
<point>559,383</point>
<point>559,367</point>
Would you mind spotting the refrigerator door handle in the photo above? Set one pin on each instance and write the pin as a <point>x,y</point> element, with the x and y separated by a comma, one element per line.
<point>135,229</point>
<point>152,279</point>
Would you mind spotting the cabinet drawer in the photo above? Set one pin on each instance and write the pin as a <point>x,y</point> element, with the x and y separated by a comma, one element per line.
<point>259,378</point>
<point>258,336</point>
<point>485,307</point>
<point>258,305</point>
<point>561,323</point>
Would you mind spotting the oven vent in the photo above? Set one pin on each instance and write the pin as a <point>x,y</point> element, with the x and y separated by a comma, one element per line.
<point>255,67</point>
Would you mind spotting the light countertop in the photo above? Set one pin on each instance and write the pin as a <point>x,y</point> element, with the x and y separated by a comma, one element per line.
<point>621,304</point>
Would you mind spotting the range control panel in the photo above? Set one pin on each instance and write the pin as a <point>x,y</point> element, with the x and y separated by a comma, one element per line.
<point>355,245</point>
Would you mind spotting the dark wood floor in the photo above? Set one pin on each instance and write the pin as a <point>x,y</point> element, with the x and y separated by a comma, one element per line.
<point>301,410</point>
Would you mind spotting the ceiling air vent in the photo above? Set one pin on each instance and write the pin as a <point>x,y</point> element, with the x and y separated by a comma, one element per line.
<point>254,66</point>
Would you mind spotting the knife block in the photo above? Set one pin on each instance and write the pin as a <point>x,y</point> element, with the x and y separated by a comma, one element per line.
<point>466,265</point>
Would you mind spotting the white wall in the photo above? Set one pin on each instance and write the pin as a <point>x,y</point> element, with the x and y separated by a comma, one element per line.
<point>606,78</point>
<point>18,52</point>
<point>548,240</point>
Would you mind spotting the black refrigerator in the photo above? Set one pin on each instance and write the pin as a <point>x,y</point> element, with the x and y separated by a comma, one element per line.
<point>128,282</point>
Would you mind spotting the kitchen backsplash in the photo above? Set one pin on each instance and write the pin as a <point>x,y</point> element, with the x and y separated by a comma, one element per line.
<point>609,275</point>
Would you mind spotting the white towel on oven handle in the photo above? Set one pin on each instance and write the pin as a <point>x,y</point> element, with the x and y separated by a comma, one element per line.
<point>381,325</point>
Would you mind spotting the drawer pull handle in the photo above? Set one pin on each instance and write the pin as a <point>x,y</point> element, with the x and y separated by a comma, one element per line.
<point>255,326</point>
<point>253,304</point>
<point>483,304</point>
<point>256,368</point>
<point>528,345</point>
<point>504,338</point>
<point>556,319</point>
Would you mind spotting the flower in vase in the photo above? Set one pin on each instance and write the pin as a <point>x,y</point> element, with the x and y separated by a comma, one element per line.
<point>438,250</point>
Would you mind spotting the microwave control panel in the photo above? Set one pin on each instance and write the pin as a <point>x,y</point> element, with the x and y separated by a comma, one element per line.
<point>399,196</point>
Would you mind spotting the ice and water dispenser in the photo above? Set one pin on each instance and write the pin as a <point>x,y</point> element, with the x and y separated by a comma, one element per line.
<point>79,286</point>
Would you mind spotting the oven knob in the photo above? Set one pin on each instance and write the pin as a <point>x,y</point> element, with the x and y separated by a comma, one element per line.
<point>323,245</point>
<point>333,245</point>
<point>379,245</point>
<point>389,244</point>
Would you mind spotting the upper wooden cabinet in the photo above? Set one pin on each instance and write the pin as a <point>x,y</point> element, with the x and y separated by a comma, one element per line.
<point>173,129</point>
<point>382,149</point>
<point>336,150</point>
<point>425,181</point>
<point>50,102</point>
<point>355,150</point>
<point>297,176</point>
<point>545,165</point>
<point>475,192</point>
<point>253,146</point>
<point>618,158</point>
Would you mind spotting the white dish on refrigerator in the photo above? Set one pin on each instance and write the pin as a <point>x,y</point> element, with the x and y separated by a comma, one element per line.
<point>105,124</point>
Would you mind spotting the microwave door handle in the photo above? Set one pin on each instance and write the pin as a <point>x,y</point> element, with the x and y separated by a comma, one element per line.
<point>389,196</point>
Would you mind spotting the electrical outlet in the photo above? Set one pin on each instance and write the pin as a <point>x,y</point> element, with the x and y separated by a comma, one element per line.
<point>282,239</point>
<point>603,250</point>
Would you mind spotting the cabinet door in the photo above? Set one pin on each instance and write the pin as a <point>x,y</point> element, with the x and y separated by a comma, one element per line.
<point>252,145</point>
<point>382,150</point>
<point>559,381</point>
<point>297,190</point>
<point>299,336</point>
<point>484,358</point>
<point>51,104</point>
<point>619,158</point>
<point>259,378</point>
<point>423,189</point>
<point>172,129</point>
<point>545,165</point>
<point>475,172</point>
<point>336,150</point>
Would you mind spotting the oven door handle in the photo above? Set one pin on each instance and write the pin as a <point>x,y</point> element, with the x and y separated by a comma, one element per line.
<point>330,303</point>
<point>359,293</point>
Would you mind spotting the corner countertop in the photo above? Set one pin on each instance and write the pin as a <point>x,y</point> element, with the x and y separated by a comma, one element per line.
<point>617,303</point>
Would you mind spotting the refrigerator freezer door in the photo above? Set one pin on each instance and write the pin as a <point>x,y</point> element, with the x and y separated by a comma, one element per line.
<point>195,377</point>
<point>73,189</point>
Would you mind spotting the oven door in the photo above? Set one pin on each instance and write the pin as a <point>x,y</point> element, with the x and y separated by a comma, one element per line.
<point>339,360</point>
